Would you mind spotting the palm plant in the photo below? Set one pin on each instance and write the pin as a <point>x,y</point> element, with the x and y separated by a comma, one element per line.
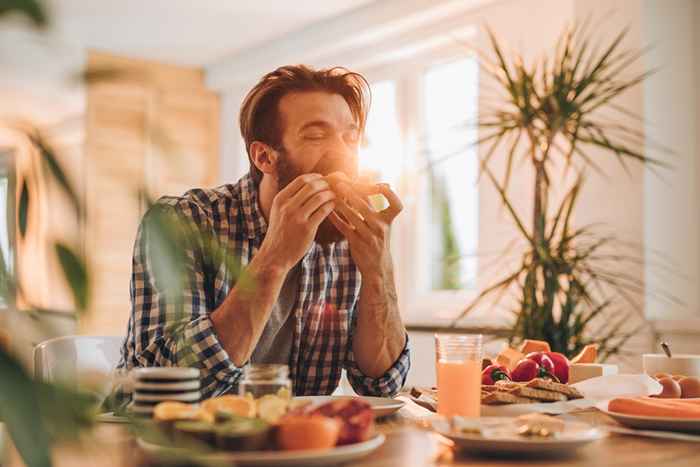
<point>563,284</point>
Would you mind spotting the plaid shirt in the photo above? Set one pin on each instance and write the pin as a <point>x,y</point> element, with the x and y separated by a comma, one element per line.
<point>325,311</point>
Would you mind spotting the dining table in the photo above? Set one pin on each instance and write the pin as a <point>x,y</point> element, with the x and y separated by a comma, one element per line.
<point>410,442</point>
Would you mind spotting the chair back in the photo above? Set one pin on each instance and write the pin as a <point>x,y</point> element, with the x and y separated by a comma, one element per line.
<point>63,359</point>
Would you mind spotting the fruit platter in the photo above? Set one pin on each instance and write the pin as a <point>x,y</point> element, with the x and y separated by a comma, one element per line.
<point>271,430</point>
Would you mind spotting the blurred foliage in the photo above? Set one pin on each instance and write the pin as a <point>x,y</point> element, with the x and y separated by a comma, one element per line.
<point>37,414</point>
<point>33,10</point>
<point>548,115</point>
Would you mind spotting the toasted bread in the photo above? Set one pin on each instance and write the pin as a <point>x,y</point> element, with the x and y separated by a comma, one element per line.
<point>569,391</point>
<point>503,398</point>
<point>520,389</point>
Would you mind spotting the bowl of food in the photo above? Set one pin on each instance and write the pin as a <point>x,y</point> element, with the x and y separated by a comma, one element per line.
<point>678,364</point>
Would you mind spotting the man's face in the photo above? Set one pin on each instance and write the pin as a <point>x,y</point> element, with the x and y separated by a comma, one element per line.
<point>319,135</point>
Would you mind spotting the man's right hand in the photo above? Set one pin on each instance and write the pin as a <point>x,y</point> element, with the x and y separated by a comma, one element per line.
<point>296,213</point>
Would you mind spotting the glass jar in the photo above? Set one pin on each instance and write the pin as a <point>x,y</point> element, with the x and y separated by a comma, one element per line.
<point>262,379</point>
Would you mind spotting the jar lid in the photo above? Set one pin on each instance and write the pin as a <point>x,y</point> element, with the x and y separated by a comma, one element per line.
<point>266,371</point>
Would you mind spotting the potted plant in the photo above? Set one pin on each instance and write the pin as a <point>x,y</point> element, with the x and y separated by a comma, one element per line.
<point>549,116</point>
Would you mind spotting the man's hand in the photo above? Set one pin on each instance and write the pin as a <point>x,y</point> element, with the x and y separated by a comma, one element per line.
<point>367,230</point>
<point>380,335</point>
<point>296,213</point>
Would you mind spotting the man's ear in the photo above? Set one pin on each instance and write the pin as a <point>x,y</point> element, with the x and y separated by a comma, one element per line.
<point>264,157</point>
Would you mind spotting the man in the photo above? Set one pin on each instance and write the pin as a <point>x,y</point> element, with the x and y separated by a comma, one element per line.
<point>319,292</point>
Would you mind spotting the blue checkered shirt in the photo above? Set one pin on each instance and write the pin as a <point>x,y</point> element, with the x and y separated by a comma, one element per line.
<point>325,311</point>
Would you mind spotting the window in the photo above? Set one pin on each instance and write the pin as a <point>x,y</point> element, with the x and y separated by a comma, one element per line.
<point>450,103</point>
<point>419,138</point>
<point>6,213</point>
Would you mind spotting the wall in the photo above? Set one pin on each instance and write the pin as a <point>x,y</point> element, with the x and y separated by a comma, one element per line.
<point>155,126</point>
<point>672,97</point>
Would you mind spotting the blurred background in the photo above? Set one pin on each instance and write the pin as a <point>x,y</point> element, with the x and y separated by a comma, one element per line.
<point>178,129</point>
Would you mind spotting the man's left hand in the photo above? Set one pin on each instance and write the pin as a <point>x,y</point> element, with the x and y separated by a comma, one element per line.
<point>367,230</point>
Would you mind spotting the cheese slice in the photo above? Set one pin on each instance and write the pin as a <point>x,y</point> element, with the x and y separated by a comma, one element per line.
<point>532,345</point>
<point>509,357</point>
<point>582,371</point>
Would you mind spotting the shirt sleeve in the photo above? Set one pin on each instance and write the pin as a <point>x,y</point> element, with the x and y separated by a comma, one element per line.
<point>170,323</point>
<point>387,385</point>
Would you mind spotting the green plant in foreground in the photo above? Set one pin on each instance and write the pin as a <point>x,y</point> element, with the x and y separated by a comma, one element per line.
<point>568,283</point>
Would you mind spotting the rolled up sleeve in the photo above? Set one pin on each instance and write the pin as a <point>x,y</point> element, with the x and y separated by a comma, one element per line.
<point>387,385</point>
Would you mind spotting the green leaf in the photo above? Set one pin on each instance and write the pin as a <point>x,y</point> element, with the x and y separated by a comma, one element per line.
<point>75,273</point>
<point>19,409</point>
<point>48,156</point>
<point>32,9</point>
<point>23,209</point>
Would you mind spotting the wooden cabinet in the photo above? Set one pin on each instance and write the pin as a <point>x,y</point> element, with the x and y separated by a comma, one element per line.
<point>147,125</point>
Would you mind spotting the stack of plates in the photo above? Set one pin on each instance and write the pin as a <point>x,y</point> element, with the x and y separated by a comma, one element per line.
<point>155,385</point>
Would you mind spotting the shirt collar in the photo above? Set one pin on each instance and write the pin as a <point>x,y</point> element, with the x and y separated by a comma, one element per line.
<point>254,221</point>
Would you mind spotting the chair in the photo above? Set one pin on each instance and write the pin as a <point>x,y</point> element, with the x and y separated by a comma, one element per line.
<point>63,359</point>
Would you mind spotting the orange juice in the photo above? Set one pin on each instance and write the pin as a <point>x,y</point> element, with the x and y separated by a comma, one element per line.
<point>459,387</point>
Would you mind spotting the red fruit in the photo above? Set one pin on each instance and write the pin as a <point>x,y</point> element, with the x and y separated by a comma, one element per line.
<point>493,373</point>
<point>525,370</point>
<point>561,366</point>
<point>355,415</point>
<point>542,360</point>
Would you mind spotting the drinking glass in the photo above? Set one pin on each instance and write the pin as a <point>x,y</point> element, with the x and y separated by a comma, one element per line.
<point>458,368</point>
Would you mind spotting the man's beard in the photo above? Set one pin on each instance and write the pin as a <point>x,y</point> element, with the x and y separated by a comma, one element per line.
<point>327,233</point>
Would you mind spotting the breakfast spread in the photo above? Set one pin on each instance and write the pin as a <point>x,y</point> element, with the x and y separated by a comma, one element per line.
<point>272,422</point>
<point>531,374</point>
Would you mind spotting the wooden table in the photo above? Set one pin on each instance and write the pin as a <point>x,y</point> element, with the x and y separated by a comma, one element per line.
<point>408,445</point>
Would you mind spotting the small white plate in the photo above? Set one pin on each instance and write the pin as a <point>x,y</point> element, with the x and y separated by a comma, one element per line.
<point>191,396</point>
<point>381,406</point>
<point>496,439</point>
<point>109,417</point>
<point>689,425</point>
<point>176,386</point>
<point>169,373</point>
<point>337,455</point>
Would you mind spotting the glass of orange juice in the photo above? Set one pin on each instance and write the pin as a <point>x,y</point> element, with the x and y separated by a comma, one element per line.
<point>458,368</point>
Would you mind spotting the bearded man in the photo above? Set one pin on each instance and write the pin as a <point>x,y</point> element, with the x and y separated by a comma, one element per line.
<point>319,292</point>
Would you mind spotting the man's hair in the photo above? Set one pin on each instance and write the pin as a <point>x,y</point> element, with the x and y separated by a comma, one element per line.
<point>260,119</point>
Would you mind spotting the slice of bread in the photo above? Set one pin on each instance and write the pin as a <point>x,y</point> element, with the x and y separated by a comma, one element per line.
<point>569,391</point>
<point>541,395</point>
<point>503,398</point>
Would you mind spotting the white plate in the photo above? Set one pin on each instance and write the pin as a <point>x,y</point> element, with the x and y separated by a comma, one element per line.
<point>336,455</point>
<point>496,441</point>
<point>169,373</point>
<point>690,425</point>
<point>109,417</point>
<point>191,396</point>
<point>381,406</point>
<point>176,386</point>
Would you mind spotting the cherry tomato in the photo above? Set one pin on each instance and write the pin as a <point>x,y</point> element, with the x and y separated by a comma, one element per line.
<point>525,370</point>
<point>493,373</point>
<point>561,366</point>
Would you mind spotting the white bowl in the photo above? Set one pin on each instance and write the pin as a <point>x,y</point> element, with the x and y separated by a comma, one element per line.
<point>679,364</point>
